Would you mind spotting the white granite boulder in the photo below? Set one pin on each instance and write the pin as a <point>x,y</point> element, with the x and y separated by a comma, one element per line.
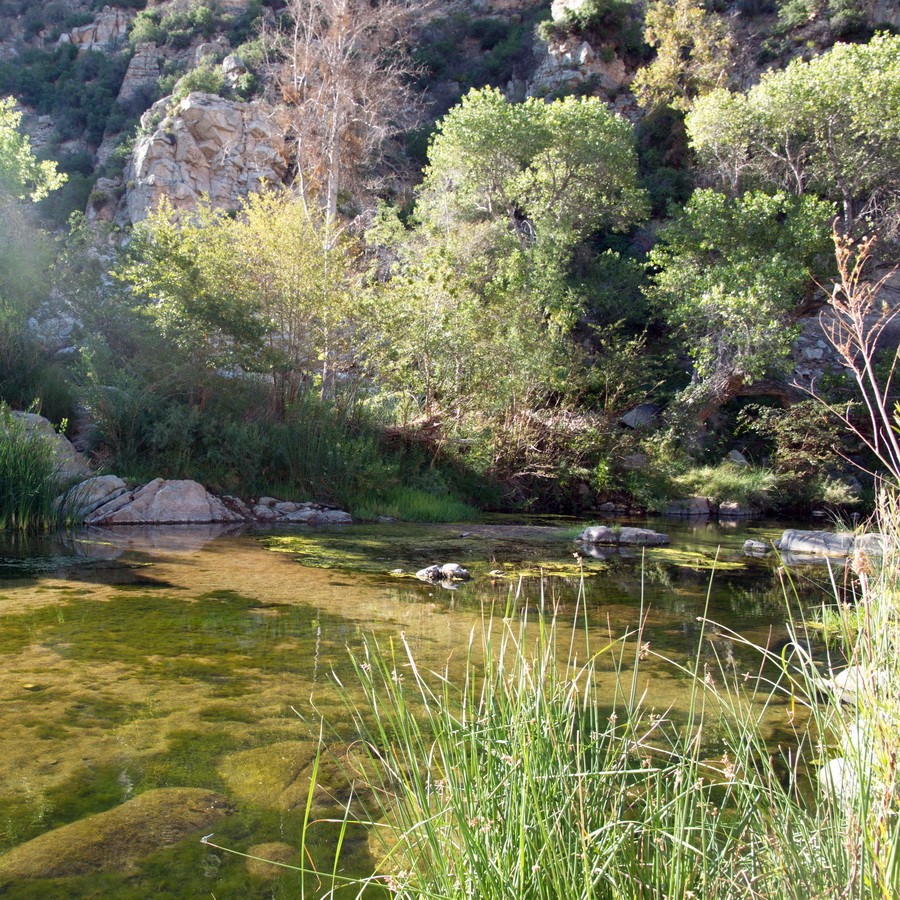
<point>163,502</point>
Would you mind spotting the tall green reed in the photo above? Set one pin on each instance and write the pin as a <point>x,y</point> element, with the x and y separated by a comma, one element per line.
<point>30,477</point>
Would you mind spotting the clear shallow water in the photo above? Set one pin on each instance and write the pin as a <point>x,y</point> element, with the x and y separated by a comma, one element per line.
<point>192,658</point>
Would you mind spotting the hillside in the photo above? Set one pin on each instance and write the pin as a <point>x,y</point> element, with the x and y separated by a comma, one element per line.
<point>623,285</point>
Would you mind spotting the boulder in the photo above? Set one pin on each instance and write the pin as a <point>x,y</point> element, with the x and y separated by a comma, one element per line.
<point>755,548</point>
<point>455,572</point>
<point>206,146</point>
<point>628,537</point>
<point>164,502</point>
<point>116,839</point>
<point>70,463</point>
<point>822,543</point>
<point>641,416</point>
<point>641,537</point>
<point>732,510</point>
<point>598,534</point>
<point>692,506</point>
<point>82,499</point>
<point>738,458</point>
<point>331,517</point>
<point>233,67</point>
<point>445,572</point>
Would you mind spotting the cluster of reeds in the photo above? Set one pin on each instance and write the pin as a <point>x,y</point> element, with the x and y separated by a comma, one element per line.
<point>29,477</point>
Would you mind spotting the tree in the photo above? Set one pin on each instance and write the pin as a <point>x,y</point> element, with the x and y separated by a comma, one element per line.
<point>264,289</point>
<point>342,69</point>
<point>21,175</point>
<point>693,54</point>
<point>734,276</point>
<point>551,171</point>
<point>830,126</point>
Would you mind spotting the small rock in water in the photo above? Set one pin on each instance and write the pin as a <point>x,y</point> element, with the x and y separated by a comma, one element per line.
<point>446,572</point>
<point>755,548</point>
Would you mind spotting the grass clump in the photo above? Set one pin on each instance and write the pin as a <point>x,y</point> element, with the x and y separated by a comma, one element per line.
<point>29,477</point>
<point>728,482</point>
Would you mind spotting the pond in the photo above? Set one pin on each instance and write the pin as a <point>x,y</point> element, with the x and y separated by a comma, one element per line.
<point>193,668</point>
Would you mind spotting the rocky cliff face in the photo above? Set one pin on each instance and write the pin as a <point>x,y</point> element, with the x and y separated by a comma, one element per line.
<point>207,146</point>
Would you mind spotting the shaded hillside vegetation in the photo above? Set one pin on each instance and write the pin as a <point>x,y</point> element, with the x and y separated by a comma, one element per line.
<point>531,258</point>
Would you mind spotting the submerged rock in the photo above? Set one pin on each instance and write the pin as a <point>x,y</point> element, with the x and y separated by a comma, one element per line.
<point>268,855</point>
<point>114,840</point>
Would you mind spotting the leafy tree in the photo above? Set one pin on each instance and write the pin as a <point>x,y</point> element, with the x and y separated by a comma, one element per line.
<point>461,328</point>
<point>734,276</point>
<point>830,126</point>
<point>264,289</point>
<point>693,54</point>
<point>21,175</point>
<point>551,171</point>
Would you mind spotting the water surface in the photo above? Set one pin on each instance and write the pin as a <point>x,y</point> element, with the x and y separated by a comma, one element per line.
<point>202,659</point>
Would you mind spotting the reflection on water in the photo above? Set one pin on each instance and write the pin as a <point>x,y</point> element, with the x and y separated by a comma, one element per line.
<point>192,658</point>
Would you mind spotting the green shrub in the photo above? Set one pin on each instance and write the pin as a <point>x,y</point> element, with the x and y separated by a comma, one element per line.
<point>728,482</point>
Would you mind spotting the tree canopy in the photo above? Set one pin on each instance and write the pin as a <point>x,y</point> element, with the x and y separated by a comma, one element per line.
<point>552,171</point>
<point>732,276</point>
<point>830,126</point>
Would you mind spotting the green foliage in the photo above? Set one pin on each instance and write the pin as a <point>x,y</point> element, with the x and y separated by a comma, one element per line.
<point>732,271</point>
<point>77,89</point>
<point>441,53</point>
<point>828,126</point>
<point>177,26</point>
<point>613,23</point>
<point>693,49</point>
<point>207,78</point>
<point>558,169</point>
<point>751,486</point>
<point>21,175</point>
<point>845,18</point>
<point>29,477</point>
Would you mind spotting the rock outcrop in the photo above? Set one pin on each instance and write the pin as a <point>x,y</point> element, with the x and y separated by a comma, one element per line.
<point>162,502</point>
<point>115,840</point>
<point>108,30</point>
<point>207,146</point>
<point>142,74</point>
<point>571,62</point>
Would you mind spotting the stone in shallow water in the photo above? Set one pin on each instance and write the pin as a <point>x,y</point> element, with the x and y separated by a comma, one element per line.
<point>276,852</point>
<point>116,839</point>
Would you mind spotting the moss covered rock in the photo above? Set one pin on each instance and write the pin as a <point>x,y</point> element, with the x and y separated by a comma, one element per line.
<point>114,840</point>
